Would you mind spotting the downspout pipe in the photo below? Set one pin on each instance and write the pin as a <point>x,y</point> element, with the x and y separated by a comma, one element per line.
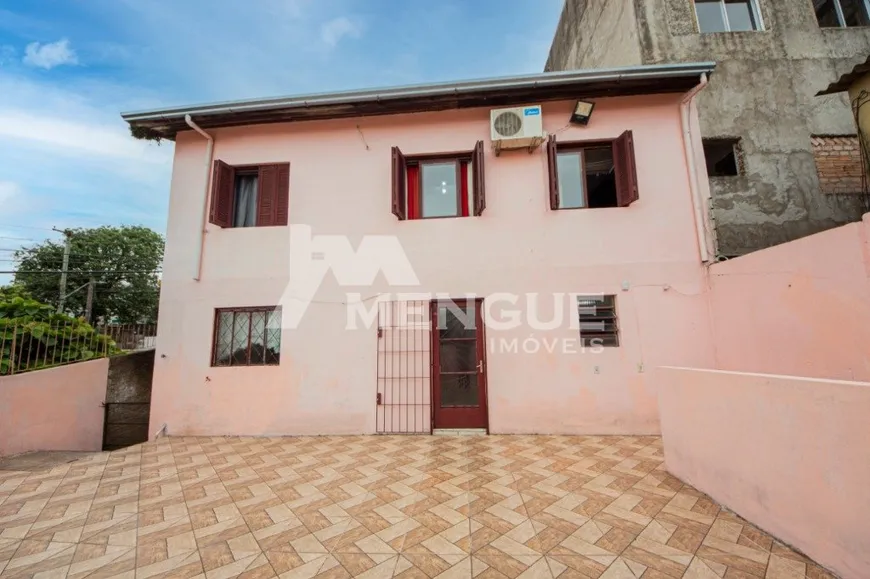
<point>209,153</point>
<point>700,190</point>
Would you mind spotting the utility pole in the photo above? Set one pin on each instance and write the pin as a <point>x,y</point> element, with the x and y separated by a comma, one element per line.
<point>66,247</point>
<point>89,305</point>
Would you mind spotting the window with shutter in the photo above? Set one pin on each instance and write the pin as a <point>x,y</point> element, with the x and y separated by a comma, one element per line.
<point>223,193</point>
<point>250,195</point>
<point>398,201</point>
<point>626,172</point>
<point>592,174</point>
<point>438,184</point>
<point>479,180</point>
<point>554,173</point>
<point>268,195</point>
<point>282,201</point>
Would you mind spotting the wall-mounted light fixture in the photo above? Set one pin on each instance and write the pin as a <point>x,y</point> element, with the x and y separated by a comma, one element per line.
<point>582,112</point>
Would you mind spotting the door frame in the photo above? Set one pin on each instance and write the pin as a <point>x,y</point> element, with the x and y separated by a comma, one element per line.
<point>434,356</point>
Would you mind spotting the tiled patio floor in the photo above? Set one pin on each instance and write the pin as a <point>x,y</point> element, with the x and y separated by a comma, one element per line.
<point>484,507</point>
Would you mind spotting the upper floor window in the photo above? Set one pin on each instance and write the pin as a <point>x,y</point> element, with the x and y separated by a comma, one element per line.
<point>438,185</point>
<point>250,195</point>
<point>592,173</point>
<point>727,15</point>
<point>842,13</point>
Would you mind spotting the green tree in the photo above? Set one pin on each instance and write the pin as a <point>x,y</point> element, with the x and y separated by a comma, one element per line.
<point>33,336</point>
<point>127,259</point>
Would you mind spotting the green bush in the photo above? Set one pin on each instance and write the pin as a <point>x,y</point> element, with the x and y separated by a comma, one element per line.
<point>33,335</point>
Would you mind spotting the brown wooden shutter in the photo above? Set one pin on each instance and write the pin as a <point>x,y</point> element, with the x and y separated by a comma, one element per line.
<point>553,170</point>
<point>223,186</point>
<point>399,196</point>
<point>267,195</point>
<point>626,171</point>
<point>282,201</point>
<point>273,194</point>
<point>479,175</point>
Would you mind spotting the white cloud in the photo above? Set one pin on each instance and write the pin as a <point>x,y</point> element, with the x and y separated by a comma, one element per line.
<point>71,136</point>
<point>49,55</point>
<point>77,164</point>
<point>333,31</point>
<point>8,192</point>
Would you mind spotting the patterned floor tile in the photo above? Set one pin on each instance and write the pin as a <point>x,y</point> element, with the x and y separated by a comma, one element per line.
<point>7,550</point>
<point>180,566</point>
<point>101,560</point>
<point>43,558</point>
<point>487,565</point>
<point>413,565</point>
<point>378,535</point>
<point>290,564</point>
<point>584,507</point>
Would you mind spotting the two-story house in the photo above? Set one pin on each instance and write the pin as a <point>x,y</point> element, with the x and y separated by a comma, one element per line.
<point>382,261</point>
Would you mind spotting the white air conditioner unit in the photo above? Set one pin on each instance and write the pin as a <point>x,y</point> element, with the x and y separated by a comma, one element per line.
<point>516,128</point>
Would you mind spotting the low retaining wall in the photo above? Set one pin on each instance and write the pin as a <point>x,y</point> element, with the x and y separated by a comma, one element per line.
<point>54,409</point>
<point>791,455</point>
<point>801,308</point>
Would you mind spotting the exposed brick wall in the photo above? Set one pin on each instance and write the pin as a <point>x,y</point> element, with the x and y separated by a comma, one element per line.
<point>838,162</point>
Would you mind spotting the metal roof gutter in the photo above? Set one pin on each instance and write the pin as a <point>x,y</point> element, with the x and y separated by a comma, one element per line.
<point>541,80</point>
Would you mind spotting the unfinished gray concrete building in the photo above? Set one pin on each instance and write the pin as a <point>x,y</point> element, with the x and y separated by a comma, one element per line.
<point>760,118</point>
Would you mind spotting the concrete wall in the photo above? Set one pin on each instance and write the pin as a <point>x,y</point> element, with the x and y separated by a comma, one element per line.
<point>597,34</point>
<point>791,455</point>
<point>761,92</point>
<point>801,308</point>
<point>645,254</point>
<point>54,409</point>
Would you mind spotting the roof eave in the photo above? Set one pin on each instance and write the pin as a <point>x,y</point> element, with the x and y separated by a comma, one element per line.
<point>843,83</point>
<point>165,123</point>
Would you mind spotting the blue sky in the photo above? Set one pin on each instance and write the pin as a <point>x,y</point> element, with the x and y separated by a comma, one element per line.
<point>67,69</point>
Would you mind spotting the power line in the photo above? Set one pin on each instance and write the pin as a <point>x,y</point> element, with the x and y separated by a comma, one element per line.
<point>57,263</point>
<point>55,272</point>
<point>26,227</point>
<point>73,254</point>
<point>74,260</point>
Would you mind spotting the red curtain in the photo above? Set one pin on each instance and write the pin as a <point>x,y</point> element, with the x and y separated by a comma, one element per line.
<point>413,172</point>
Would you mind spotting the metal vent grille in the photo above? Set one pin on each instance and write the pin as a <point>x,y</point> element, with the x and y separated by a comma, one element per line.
<point>508,124</point>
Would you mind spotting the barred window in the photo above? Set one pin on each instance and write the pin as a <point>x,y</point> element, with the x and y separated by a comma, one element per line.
<point>247,336</point>
<point>598,324</point>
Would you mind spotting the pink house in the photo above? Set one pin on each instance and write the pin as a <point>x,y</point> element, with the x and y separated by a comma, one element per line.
<point>457,255</point>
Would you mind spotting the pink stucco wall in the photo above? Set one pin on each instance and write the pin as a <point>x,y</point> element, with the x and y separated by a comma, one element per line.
<point>647,254</point>
<point>54,409</point>
<point>801,308</point>
<point>791,455</point>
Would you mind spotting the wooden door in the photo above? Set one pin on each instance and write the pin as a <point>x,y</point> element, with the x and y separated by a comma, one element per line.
<point>458,364</point>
